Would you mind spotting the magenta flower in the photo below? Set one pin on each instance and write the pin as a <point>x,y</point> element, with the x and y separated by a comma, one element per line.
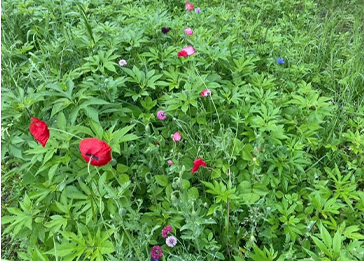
<point>166,230</point>
<point>122,62</point>
<point>161,115</point>
<point>171,241</point>
<point>206,92</point>
<point>170,163</point>
<point>189,31</point>
<point>156,252</point>
<point>187,51</point>
<point>177,137</point>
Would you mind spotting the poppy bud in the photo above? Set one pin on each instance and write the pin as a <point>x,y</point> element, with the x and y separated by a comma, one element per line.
<point>39,130</point>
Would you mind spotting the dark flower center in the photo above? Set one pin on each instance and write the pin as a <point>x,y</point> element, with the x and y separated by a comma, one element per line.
<point>92,156</point>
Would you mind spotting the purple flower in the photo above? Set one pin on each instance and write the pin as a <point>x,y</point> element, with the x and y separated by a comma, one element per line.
<point>197,10</point>
<point>171,241</point>
<point>156,252</point>
<point>165,30</point>
<point>161,115</point>
<point>280,61</point>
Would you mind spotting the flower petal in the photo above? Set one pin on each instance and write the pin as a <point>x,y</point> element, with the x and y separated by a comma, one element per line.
<point>182,53</point>
<point>39,130</point>
<point>189,49</point>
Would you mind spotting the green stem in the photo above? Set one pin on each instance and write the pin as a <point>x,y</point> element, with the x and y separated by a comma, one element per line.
<point>131,242</point>
<point>218,117</point>
<point>66,133</point>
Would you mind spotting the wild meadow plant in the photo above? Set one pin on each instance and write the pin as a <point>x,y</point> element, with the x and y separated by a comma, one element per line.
<point>173,130</point>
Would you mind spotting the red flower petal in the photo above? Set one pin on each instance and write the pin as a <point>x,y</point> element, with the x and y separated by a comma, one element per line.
<point>182,53</point>
<point>196,165</point>
<point>39,130</point>
<point>99,150</point>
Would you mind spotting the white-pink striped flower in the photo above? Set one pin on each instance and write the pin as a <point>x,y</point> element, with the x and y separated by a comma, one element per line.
<point>122,62</point>
<point>187,51</point>
<point>206,92</point>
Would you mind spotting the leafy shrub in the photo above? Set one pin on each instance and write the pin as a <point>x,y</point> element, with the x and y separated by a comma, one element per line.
<point>278,144</point>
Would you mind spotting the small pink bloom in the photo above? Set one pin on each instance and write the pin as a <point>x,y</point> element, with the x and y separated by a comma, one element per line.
<point>156,252</point>
<point>206,92</point>
<point>170,163</point>
<point>189,6</point>
<point>122,62</point>
<point>161,115</point>
<point>166,230</point>
<point>187,51</point>
<point>171,241</point>
<point>189,31</point>
<point>177,136</point>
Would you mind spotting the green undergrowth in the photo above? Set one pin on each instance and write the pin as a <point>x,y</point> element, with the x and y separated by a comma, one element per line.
<point>283,142</point>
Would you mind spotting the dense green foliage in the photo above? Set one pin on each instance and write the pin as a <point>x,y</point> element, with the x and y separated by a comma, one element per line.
<point>283,143</point>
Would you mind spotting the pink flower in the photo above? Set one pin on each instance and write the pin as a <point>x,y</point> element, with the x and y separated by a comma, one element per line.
<point>177,136</point>
<point>189,6</point>
<point>122,62</point>
<point>161,115</point>
<point>196,165</point>
<point>171,241</point>
<point>170,163</point>
<point>189,31</point>
<point>156,252</point>
<point>187,51</point>
<point>206,92</point>
<point>166,230</point>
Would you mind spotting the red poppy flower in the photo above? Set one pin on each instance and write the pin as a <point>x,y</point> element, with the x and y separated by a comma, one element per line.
<point>182,54</point>
<point>99,150</point>
<point>39,130</point>
<point>196,165</point>
<point>189,6</point>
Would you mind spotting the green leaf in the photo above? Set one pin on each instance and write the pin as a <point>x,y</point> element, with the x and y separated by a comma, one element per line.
<point>325,235</point>
<point>321,245</point>
<point>56,223</point>
<point>74,193</point>
<point>118,135</point>
<point>193,193</point>
<point>96,128</point>
<point>220,256</point>
<point>61,121</point>
<point>128,137</point>
<point>92,113</point>
<point>161,180</point>
<point>106,247</point>
<point>337,243</point>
